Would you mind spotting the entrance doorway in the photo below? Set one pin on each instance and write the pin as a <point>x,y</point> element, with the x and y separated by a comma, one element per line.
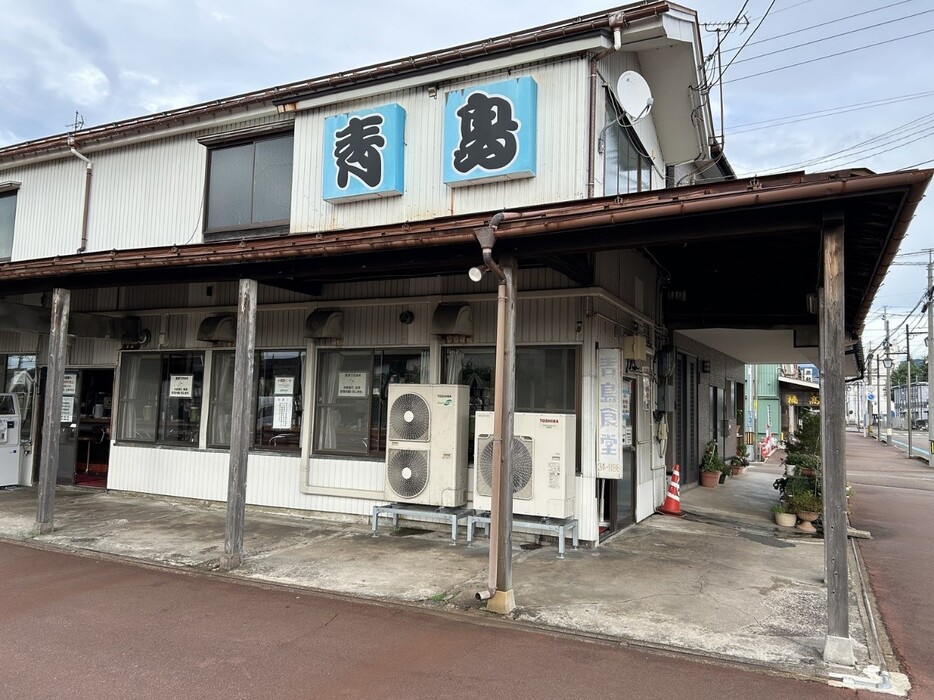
<point>85,421</point>
<point>618,496</point>
<point>686,451</point>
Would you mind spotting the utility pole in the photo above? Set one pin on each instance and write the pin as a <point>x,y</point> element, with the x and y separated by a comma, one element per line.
<point>888,386</point>
<point>908,354</point>
<point>878,401</point>
<point>930,343</point>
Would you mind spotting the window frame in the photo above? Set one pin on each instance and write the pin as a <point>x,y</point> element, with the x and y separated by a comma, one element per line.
<point>299,397</point>
<point>371,453</point>
<point>160,422</point>
<point>626,132</point>
<point>10,190</point>
<point>252,136</point>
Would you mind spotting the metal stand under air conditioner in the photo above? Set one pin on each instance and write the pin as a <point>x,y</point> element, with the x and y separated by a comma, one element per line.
<point>559,526</point>
<point>394,510</point>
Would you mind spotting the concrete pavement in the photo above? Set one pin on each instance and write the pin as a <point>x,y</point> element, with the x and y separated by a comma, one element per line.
<point>724,582</point>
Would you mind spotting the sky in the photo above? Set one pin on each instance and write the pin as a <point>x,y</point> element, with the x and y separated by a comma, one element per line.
<point>861,94</point>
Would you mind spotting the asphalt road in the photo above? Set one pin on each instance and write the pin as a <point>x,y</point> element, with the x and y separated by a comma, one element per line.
<point>893,500</point>
<point>84,627</point>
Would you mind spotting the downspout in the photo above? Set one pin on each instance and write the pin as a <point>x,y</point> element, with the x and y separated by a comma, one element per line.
<point>617,22</point>
<point>87,196</point>
<point>499,583</point>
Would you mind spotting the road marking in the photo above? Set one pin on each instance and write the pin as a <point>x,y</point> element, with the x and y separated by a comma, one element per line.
<point>913,447</point>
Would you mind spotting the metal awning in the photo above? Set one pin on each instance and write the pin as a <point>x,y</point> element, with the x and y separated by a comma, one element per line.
<point>740,254</point>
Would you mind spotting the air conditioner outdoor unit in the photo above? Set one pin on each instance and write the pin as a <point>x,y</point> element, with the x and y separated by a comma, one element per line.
<point>544,452</point>
<point>426,452</point>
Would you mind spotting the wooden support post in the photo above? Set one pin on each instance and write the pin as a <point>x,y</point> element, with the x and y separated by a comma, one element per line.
<point>241,425</point>
<point>838,647</point>
<point>52,411</point>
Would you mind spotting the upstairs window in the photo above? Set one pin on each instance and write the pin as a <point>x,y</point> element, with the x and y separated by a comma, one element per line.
<point>249,183</point>
<point>7,218</point>
<point>626,165</point>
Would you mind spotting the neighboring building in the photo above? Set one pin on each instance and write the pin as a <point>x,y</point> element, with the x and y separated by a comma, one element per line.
<point>919,405</point>
<point>354,200</point>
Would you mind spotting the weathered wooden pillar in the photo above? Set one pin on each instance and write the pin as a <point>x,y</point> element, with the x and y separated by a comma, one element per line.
<point>838,647</point>
<point>241,425</point>
<point>52,411</point>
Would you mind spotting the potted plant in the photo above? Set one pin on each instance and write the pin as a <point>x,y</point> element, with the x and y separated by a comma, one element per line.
<point>807,465</point>
<point>738,465</point>
<point>784,516</point>
<point>712,466</point>
<point>808,506</point>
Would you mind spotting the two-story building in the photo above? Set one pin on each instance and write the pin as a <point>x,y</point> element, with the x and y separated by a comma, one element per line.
<point>352,200</point>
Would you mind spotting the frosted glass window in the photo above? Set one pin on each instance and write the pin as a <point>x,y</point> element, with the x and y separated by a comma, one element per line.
<point>250,184</point>
<point>7,217</point>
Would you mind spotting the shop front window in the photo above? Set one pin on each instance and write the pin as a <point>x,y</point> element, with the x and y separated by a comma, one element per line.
<point>279,399</point>
<point>160,397</point>
<point>545,379</point>
<point>352,397</point>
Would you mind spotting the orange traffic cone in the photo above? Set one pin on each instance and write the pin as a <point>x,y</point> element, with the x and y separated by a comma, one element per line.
<point>672,504</point>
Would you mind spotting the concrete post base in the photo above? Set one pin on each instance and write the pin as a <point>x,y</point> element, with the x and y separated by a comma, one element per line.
<point>44,528</point>
<point>229,562</point>
<point>502,602</point>
<point>839,651</point>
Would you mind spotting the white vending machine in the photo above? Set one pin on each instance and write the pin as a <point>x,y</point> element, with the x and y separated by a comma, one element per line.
<point>9,440</point>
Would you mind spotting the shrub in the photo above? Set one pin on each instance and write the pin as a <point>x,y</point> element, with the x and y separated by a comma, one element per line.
<point>805,502</point>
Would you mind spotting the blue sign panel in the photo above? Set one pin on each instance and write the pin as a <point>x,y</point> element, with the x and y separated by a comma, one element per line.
<point>364,154</point>
<point>490,132</point>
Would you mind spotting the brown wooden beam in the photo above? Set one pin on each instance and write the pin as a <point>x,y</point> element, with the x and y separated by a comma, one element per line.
<point>52,411</point>
<point>838,647</point>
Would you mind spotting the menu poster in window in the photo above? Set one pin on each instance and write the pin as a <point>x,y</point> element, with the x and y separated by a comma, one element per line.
<point>68,409</point>
<point>282,415</point>
<point>70,387</point>
<point>284,386</point>
<point>351,384</point>
<point>609,449</point>
<point>180,386</point>
<point>626,411</point>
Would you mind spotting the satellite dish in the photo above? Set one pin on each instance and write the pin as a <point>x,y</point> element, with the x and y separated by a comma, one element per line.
<point>634,95</point>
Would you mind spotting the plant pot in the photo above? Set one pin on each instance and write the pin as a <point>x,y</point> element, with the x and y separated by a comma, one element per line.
<point>709,479</point>
<point>807,518</point>
<point>736,471</point>
<point>786,519</point>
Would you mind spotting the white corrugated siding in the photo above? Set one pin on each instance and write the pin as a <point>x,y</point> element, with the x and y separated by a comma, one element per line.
<point>272,479</point>
<point>48,208</point>
<point>561,160</point>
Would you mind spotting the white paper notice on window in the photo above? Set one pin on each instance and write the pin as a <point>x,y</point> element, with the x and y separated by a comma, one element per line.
<point>68,409</point>
<point>351,384</point>
<point>282,417</point>
<point>70,387</point>
<point>285,385</point>
<point>180,386</point>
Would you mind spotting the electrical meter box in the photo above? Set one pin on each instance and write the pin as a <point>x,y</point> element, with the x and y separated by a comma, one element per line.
<point>10,422</point>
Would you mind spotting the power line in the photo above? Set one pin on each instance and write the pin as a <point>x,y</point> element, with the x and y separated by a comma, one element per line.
<point>738,51</point>
<point>832,55</point>
<point>822,24</point>
<point>880,139</point>
<point>833,36</point>
<point>829,112</point>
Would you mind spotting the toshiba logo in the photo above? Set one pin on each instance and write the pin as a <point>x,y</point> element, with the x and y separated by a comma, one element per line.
<point>550,421</point>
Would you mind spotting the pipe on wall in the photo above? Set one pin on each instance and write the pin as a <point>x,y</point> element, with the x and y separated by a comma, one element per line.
<point>89,168</point>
